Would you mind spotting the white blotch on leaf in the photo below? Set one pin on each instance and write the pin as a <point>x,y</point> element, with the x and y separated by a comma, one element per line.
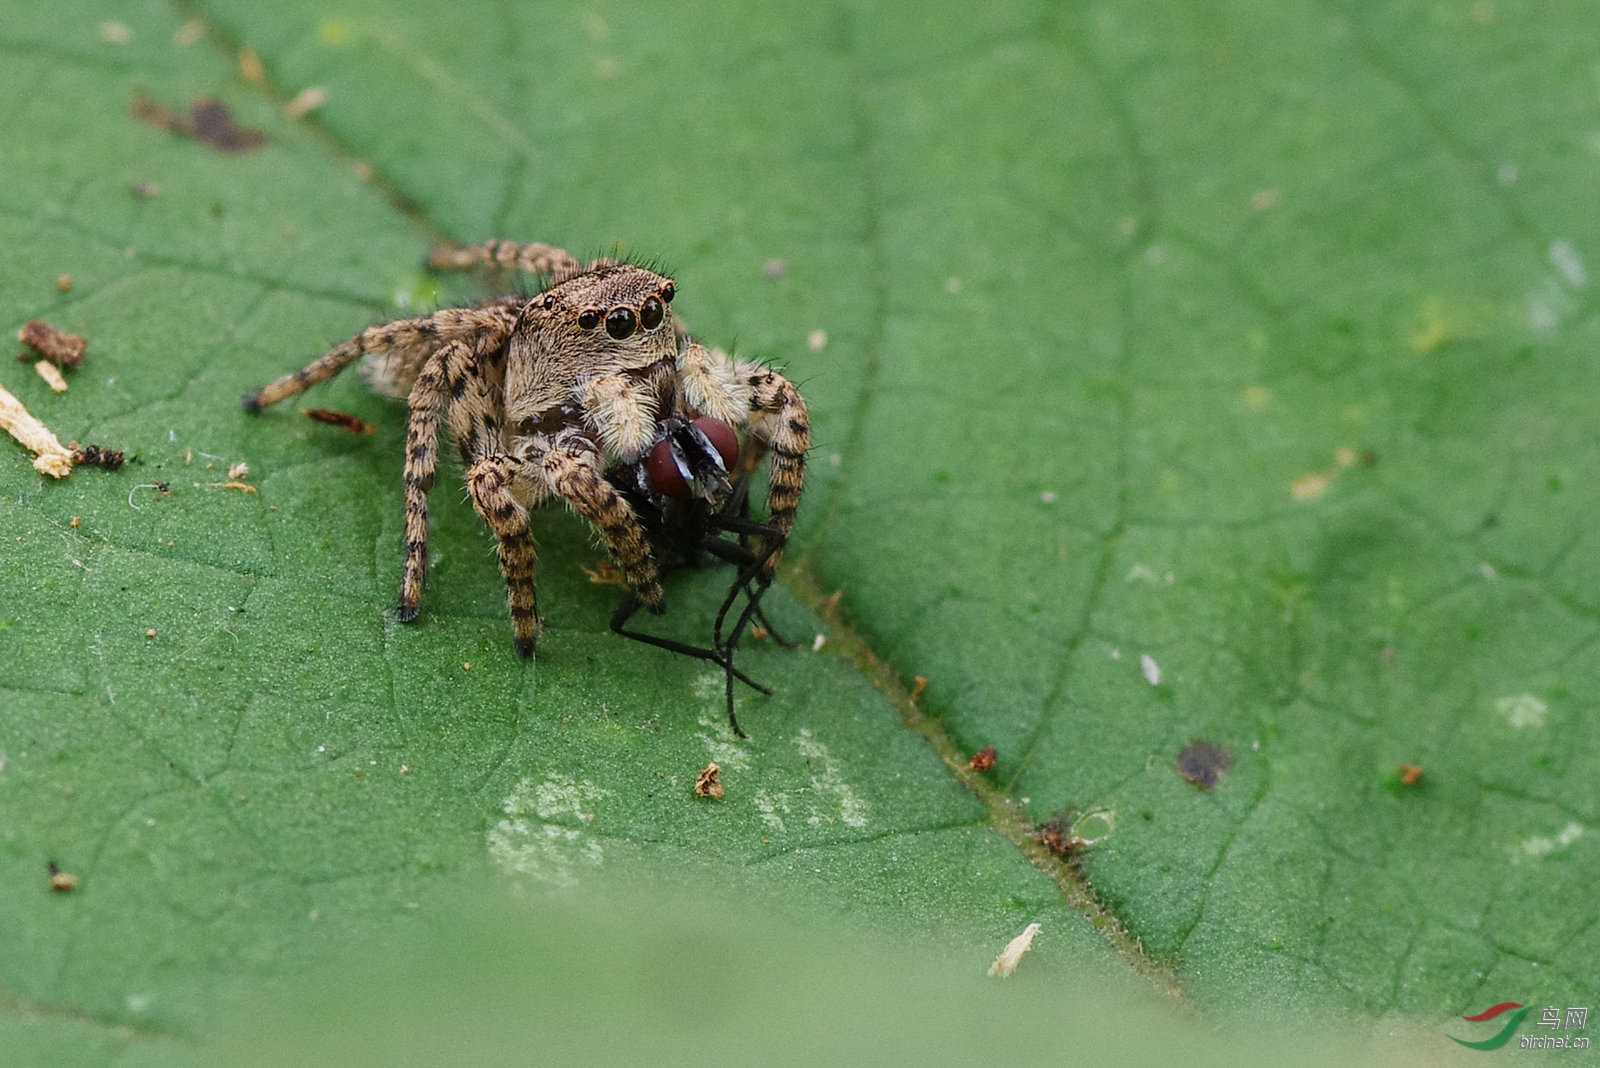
<point>541,835</point>
<point>1542,846</point>
<point>1151,669</point>
<point>851,810</point>
<point>1568,264</point>
<point>1522,710</point>
<point>829,798</point>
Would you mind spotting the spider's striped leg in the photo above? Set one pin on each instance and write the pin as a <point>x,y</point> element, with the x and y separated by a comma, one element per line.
<point>489,483</point>
<point>498,483</point>
<point>779,419</point>
<point>532,257</point>
<point>574,470</point>
<point>409,343</point>
<point>427,401</point>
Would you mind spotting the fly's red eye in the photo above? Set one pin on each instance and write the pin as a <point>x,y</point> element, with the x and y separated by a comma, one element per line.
<point>651,312</point>
<point>589,319</point>
<point>664,473</point>
<point>722,437</point>
<point>620,323</point>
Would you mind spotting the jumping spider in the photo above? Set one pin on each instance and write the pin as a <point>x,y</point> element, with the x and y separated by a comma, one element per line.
<point>591,392</point>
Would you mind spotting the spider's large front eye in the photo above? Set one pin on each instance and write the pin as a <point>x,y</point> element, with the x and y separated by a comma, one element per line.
<point>589,319</point>
<point>620,323</point>
<point>668,291</point>
<point>651,312</point>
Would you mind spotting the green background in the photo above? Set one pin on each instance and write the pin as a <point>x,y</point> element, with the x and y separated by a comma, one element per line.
<point>1216,371</point>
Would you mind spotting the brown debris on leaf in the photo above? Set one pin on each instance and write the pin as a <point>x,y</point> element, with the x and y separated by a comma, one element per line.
<point>207,121</point>
<point>983,759</point>
<point>605,573</point>
<point>919,683</point>
<point>1410,774</point>
<point>61,881</point>
<point>1203,762</point>
<point>343,420</point>
<point>57,346</point>
<point>709,782</point>
<point>96,456</point>
<point>1057,835</point>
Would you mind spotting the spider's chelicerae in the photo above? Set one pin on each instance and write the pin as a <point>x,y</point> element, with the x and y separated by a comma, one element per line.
<point>590,392</point>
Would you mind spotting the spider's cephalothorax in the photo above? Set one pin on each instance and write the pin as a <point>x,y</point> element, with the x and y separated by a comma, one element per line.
<point>546,396</point>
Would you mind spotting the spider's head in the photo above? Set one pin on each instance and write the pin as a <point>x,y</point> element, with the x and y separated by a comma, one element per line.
<point>614,318</point>
<point>615,307</point>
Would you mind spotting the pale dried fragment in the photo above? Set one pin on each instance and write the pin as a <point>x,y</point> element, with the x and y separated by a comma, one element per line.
<point>53,458</point>
<point>250,65</point>
<point>1011,956</point>
<point>306,101</point>
<point>51,375</point>
<point>239,470</point>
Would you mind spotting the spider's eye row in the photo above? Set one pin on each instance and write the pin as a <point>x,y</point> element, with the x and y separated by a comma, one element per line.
<point>668,291</point>
<point>588,319</point>
<point>620,322</point>
<point>651,312</point>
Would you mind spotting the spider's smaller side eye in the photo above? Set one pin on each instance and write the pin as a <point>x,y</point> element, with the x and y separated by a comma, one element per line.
<point>651,312</point>
<point>588,319</point>
<point>549,302</point>
<point>668,291</point>
<point>620,322</point>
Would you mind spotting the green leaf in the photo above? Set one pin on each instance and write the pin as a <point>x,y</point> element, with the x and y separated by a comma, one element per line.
<point>1211,372</point>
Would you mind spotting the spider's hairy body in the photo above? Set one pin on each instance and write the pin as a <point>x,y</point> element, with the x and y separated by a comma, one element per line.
<point>550,396</point>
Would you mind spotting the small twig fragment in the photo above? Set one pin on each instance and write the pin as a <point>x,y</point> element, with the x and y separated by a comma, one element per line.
<point>339,419</point>
<point>1011,956</point>
<point>709,782</point>
<point>57,346</point>
<point>52,457</point>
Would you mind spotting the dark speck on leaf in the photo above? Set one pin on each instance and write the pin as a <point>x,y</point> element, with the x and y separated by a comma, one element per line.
<point>207,121</point>
<point>1201,762</point>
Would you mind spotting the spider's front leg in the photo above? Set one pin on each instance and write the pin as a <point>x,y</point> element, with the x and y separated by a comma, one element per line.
<point>779,419</point>
<point>489,484</point>
<point>574,470</point>
<point>744,393</point>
